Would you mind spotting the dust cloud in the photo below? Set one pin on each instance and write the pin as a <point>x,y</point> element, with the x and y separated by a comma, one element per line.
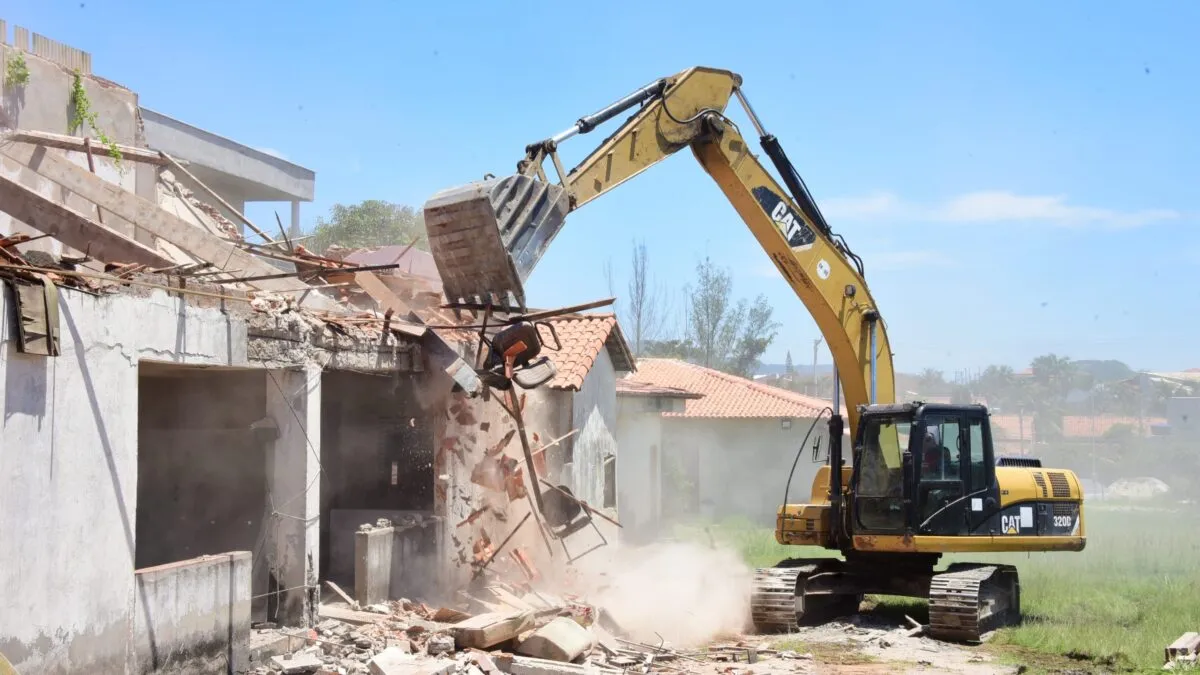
<point>686,593</point>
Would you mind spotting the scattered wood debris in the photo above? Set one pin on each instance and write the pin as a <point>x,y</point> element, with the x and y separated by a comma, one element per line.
<point>1183,652</point>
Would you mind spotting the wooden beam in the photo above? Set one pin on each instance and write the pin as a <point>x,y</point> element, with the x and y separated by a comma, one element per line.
<point>37,202</point>
<point>387,300</point>
<point>74,143</point>
<point>151,218</point>
<point>179,167</point>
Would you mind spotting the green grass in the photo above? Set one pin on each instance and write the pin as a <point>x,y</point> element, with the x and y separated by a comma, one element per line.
<point>1112,607</point>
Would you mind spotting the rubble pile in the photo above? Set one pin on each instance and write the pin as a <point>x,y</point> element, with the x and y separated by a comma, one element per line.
<point>498,628</point>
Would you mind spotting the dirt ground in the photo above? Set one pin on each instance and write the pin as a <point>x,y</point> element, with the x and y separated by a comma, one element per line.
<point>862,646</point>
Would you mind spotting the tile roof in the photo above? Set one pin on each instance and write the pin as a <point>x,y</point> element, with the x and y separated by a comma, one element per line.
<point>582,337</point>
<point>628,387</point>
<point>724,395</point>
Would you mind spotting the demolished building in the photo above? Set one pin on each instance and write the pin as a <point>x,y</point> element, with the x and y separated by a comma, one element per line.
<point>199,417</point>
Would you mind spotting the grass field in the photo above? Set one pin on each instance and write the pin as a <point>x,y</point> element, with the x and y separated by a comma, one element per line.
<point>1113,606</point>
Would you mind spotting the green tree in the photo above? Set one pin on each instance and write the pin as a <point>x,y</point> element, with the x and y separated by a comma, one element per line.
<point>931,382</point>
<point>727,336</point>
<point>789,368</point>
<point>673,348</point>
<point>370,223</point>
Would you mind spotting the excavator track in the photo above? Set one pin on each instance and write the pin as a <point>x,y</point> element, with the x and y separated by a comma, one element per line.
<point>968,600</point>
<point>773,598</point>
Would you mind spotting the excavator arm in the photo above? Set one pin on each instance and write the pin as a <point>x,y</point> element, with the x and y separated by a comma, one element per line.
<point>487,236</point>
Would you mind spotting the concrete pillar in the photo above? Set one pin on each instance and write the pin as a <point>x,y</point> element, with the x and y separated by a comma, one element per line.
<point>294,228</point>
<point>294,405</point>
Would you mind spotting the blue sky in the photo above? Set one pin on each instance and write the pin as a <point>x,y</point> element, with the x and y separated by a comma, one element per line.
<point>1018,177</point>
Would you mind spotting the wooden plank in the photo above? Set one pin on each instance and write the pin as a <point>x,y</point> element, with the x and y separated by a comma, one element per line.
<point>31,199</point>
<point>1188,644</point>
<point>148,216</point>
<point>383,295</point>
<point>65,142</point>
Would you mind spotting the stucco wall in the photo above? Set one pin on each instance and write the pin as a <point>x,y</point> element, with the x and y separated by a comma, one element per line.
<point>744,463</point>
<point>68,471</point>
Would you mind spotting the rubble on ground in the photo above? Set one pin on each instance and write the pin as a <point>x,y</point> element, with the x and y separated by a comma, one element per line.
<point>498,628</point>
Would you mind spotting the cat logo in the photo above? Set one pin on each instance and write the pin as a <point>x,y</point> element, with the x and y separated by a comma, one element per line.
<point>1010,524</point>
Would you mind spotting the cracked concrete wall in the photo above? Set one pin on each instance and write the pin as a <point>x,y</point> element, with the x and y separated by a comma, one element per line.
<point>68,471</point>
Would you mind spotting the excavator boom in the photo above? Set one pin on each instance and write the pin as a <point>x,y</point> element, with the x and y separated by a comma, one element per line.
<point>488,236</point>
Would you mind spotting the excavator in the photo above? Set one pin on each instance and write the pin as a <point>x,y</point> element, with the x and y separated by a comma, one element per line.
<point>921,479</point>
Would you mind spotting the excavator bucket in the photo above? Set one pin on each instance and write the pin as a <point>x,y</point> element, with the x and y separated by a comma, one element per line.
<point>487,236</point>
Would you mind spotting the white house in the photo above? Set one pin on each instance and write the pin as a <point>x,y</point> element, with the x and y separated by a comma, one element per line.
<point>699,443</point>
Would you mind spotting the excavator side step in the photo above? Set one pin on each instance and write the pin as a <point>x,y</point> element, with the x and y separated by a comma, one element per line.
<point>969,600</point>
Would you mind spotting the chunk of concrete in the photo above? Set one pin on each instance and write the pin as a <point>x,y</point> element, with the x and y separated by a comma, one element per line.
<point>488,630</point>
<point>395,661</point>
<point>267,643</point>
<point>295,664</point>
<point>562,639</point>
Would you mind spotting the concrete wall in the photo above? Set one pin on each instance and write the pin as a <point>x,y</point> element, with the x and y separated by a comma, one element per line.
<point>743,463</point>
<point>216,158</point>
<point>69,475</point>
<point>193,616</point>
<point>44,104</point>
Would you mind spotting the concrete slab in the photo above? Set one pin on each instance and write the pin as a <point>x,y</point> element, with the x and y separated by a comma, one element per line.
<point>395,661</point>
<point>264,644</point>
<point>296,664</point>
<point>562,639</point>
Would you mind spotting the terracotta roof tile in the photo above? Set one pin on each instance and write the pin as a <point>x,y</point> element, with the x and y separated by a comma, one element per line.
<point>724,395</point>
<point>629,387</point>
<point>582,337</point>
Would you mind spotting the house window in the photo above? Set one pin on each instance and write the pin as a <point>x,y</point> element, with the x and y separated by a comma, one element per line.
<point>610,482</point>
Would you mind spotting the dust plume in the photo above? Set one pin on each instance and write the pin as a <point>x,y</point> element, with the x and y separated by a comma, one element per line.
<point>684,592</point>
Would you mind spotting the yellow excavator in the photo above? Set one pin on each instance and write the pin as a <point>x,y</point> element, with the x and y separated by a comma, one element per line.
<point>922,479</point>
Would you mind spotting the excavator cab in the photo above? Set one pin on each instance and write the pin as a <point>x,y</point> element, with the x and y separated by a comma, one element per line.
<point>924,469</point>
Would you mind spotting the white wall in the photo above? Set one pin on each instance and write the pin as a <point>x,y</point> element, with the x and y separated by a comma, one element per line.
<point>639,437</point>
<point>68,471</point>
<point>594,414</point>
<point>744,464</point>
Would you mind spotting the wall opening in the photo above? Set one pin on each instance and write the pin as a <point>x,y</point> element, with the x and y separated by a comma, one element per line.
<point>377,454</point>
<point>610,481</point>
<point>202,468</point>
